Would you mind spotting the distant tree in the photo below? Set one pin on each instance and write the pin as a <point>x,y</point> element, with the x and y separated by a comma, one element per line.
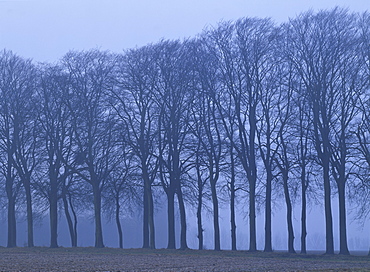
<point>121,191</point>
<point>134,102</point>
<point>269,95</point>
<point>12,77</point>
<point>348,92</point>
<point>361,192</point>
<point>173,100</point>
<point>207,127</point>
<point>284,158</point>
<point>56,132</point>
<point>22,131</point>
<point>252,40</point>
<point>76,198</point>
<point>294,134</point>
<point>303,154</point>
<point>319,43</point>
<point>93,123</point>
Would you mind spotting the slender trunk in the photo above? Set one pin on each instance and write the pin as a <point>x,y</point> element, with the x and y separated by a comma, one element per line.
<point>199,220</point>
<point>12,225</point>
<point>303,149</point>
<point>303,212</point>
<point>146,216</point>
<point>252,218</point>
<point>216,225</point>
<point>27,187</point>
<point>74,220</point>
<point>340,177</point>
<point>328,213</point>
<point>289,213</point>
<point>342,219</point>
<point>232,203</point>
<point>232,220</point>
<point>268,211</point>
<point>53,198</point>
<point>69,220</point>
<point>97,212</point>
<point>171,219</point>
<point>252,179</point>
<point>151,220</point>
<point>183,242</point>
<point>267,160</point>
<point>118,223</point>
<point>53,223</point>
<point>325,160</point>
<point>200,202</point>
<point>322,145</point>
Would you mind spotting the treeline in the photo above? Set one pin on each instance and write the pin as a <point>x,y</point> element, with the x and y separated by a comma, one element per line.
<point>246,110</point>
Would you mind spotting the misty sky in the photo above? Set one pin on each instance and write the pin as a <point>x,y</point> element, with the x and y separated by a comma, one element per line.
<point>45,30</point>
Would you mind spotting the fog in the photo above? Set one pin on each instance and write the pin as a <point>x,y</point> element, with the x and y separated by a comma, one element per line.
<point>46,30</point>
<point>357,231</point>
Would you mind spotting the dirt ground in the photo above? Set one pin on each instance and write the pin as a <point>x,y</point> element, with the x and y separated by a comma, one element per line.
<point>109,259</point>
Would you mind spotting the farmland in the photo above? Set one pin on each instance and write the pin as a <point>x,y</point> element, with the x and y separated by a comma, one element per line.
<point>109,259</point>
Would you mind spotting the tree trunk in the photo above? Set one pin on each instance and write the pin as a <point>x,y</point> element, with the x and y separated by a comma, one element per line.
<point>118,223</point>
<point>146,216</point>
<point>342,219</point>
<point>323,149</point>
<point>340,177</point>
<point>97,212</point>
<point>12,225</point>
<point>303,212</point>
<point>303,149</point>
<point>53,222</point>
<point>53,198</point>
<point>151,220</point>
<point>199,220</point>
<point>75,222</point>
<point>252,179</point>
<point>268,243</point>
<point>171,219</point>
<point>200,201</point>
<point>27,187</point>
<point>69,220</point>
<point>183,242</point>
<point>328,213</point>
<point>216,225</point>
<point>289,213</point>
<point>232,205</point>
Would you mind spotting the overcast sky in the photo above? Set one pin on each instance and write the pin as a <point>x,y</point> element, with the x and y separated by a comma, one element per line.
<point>45,30</point>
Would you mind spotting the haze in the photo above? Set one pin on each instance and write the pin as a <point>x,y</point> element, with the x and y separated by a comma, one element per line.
<point>46,30</point>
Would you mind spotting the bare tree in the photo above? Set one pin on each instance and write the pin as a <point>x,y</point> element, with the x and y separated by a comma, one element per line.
<point>267,114</point>
<point>56,134</point>
<point>93,123</point>
<point>13,77</point>
<point>362,187</point>
<point>318,45</point>
<point>207,127</point>
<point>134,103</point>
<point>172,98</point>
<point>21,133</point>
<point>252,40</point>
<point>285,142</point>
<point>348,91</point>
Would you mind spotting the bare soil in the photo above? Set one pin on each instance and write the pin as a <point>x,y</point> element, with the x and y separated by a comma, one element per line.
<point>110,259</point>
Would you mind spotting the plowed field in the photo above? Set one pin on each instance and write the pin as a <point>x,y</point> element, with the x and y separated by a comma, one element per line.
<point>109,259</point>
